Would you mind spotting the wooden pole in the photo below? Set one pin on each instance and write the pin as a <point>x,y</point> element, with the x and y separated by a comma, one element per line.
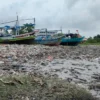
<point>34,22</point>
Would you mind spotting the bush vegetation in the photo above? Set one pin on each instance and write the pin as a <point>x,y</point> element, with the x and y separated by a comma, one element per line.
<point>93,40</point>
<point>40,88</point>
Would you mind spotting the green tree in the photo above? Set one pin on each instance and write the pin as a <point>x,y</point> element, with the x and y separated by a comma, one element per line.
<point>26,28</point>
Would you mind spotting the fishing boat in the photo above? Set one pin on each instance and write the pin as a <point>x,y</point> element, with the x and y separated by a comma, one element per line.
<point>12,39</point>
<point>50,38</point>
<point>16,36</point>
<point>72,39</point>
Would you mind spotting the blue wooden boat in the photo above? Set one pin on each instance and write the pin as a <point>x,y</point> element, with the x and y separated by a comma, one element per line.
<point>48,38</point>
<point>72,39</point>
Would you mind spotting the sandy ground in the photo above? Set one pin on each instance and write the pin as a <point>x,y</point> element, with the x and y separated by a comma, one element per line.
<point>78,65</point>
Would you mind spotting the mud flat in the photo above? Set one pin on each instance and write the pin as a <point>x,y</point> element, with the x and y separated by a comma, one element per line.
<point>78,65</point>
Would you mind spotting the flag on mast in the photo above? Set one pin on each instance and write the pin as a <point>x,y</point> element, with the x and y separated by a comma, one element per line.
<point>77,31</point>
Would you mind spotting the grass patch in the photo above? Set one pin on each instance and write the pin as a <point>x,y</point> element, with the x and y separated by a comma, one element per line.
<point>86,43</point>
<point>40,88</point>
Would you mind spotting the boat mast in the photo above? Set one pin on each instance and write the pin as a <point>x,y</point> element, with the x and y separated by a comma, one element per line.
<point>34,22</point>
<point>68,31</point>
<point>46,31</point>
<point>61,29</point>
<point>17,23</point>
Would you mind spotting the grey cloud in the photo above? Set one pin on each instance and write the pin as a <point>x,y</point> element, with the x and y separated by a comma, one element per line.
<point>83,15</point>
<point>70,3</point>
<point>95,12</point>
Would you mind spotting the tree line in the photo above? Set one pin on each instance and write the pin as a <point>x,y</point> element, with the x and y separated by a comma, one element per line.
<point>95,39</point>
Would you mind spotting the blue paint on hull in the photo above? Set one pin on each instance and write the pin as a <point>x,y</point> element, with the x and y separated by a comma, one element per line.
<point>48,42</point>
<point>71,41</point>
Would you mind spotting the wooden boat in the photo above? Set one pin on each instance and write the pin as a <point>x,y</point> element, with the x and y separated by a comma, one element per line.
<point>17,40</point>
<point>48,38</point>
<point>16,37</point>
<point>27,38</point>
<point>72,39</point>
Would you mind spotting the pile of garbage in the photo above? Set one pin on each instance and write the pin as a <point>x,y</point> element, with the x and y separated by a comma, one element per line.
<point>77,65</point>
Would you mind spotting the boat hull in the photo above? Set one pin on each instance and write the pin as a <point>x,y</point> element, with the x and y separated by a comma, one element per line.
<point>50,42</point>
<point>72,41</point>
<point>22,40</point>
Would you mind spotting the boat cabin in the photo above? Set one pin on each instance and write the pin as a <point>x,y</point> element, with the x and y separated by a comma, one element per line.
<point>72,35</point>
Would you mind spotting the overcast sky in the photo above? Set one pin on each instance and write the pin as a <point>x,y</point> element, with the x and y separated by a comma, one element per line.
<point>82,15</point>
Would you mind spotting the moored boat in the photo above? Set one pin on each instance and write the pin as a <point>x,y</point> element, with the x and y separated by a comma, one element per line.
<point>17,40</point>
<point>72,39</point>
<point>18,34</point>
<point>48,38</point>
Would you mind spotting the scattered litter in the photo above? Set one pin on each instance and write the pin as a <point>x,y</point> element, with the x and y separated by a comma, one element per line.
<point>75,64</point>
<point>1,62</point>
<point>50,58</point>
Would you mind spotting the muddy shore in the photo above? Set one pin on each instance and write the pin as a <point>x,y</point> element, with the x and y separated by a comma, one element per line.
<point>77,65</point>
